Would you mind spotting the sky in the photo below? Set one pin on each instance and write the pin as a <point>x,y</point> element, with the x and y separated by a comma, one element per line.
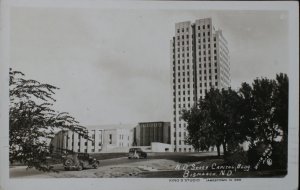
<point>113,66</point>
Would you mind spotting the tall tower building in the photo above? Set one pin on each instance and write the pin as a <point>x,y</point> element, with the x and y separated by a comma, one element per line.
<point>199,61</point>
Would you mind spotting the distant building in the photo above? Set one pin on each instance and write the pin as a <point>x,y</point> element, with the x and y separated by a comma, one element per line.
<point>117,140</point>
<point>104,138</point>
<point>147,132</point>
<point>199,61</point>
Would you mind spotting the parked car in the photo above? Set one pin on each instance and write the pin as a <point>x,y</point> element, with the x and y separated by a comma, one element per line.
<point>136,153</point>
<point>79,161</point>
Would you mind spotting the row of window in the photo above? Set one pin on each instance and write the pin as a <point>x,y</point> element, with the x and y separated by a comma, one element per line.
<point>224,69</point>
<point>225,56</point>
<point>182,43</point>
<point>200,58</point>
<point>203,34</point>
<point>199,28</point>
<point>204,40</point>
<point>79,137</point>
<point>187,48</point>
<point>209,71</point>
<point>183,80</point>
<point>187,43</point>
<point>224,49</point>
<point>200,79</point>
<point>199,65</point>
<point>199,35</point>
<point>205,78</point>
<point>188,93</point>
<point>183,67</point>
<point>223,42</point>
<point>204,46</point>
<point>209,58</point>
<point>183,106</point>
<point>199,47</point>
<point>187,54</point>
<point>182,37</point>
<point>85,150</point>
<point>179,134</point>
<point>200,72</point>
<point>204,52</point>
<point>200,84</point>
<point>199,52</point>
<point>179,125</point>
<point>187,61</point>
<point>85,144</point>
<point>182,30</point>
<point>183,73</point>
<point>226,77</point>
<point>203,27</point>
<point>224,66</point>
<point>122,137</point>
<point>209,65</point>
<point>210,84</point>
<point>183,99</point>
<point>184,149</point>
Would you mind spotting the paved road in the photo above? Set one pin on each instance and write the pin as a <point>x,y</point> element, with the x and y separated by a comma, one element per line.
<point>120,166</point>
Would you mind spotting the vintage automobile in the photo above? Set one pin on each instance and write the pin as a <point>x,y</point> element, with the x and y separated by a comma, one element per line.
<point>136,153</point>
<point>79,161</point>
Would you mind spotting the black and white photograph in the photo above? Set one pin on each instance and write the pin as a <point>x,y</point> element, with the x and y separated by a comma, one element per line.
<point>171,91</point>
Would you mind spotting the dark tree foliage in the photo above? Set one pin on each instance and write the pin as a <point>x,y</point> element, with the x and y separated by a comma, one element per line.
<point>213,121</point>
<point>256,113</point>
<point>270,118</point>
<point>281,99</point>
<point>202,133</point>
<point>264,114</point>
<point>247,119</point>
<point>33,121</point>
<point>265,129</point>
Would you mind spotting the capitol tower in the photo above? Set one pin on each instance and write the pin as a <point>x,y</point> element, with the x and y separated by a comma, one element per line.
<point>199,61</point>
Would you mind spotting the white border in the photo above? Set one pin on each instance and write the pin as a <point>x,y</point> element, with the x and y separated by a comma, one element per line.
<point>288,182</point>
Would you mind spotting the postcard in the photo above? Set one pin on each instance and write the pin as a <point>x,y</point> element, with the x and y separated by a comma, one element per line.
<point>149,95</point>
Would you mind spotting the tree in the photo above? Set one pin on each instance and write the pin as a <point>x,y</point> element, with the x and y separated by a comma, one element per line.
<point>214,120</point>
<point>213,104</point>
<point>247,117</point>
<point>281,102</point>
<point>198,128</point>
<point>266,109</point>
<point>256,113</point>
<point>232,134</point>
<point>265,129</point>
<point>33,121</point>
<point>264,117</point>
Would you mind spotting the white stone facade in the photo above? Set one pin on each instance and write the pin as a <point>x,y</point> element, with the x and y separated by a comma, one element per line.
<point>102,140</point>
